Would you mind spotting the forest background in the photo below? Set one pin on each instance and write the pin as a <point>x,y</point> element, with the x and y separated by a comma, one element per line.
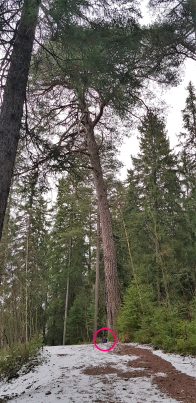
<point>53,281</point>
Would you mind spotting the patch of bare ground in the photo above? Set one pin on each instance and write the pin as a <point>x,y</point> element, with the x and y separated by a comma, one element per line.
<point>175,384</point>
<point>110,369</point>
<point>170,381</point>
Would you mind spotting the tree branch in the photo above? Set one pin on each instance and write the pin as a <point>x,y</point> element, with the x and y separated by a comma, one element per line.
<point>98,117</point>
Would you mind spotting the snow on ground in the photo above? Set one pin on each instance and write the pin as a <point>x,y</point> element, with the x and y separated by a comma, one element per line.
<point>185,364</point>
<point>61,378</point>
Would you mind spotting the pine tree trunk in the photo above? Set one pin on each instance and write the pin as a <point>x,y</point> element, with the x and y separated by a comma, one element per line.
<point>97,274</point>
<point>14,97</point>
<point>110,265</point>
<point>192,5</point>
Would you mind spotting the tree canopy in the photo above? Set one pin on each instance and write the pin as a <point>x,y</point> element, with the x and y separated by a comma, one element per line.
<point>74,77</point>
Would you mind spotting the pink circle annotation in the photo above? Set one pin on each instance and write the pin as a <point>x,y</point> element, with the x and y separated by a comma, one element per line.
<point>95,335</point>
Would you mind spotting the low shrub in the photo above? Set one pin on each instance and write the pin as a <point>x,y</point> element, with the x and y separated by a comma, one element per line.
<point>164,327</point>
<point>12,359</point>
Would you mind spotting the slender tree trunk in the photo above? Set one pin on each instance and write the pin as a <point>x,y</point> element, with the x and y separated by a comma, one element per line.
<point>44,328</point>
<point>159,261</point>
<point>36,300</point>
<point>2,314</point>
<point>110,264</point>
<point>66,311</point>
<point>14,97</point>
<point>131,260</point>
<point>97,274</point>
<point>67,294</point>
<point>26,283</point>
<point>90,238</point>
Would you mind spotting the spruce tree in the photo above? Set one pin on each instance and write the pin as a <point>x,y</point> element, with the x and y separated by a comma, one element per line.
<point>158,225</point>
<point>187,169</point>
<point>69,262</point>
<point>154,193</point>
<point>188,137</point>
<point>24,264</point>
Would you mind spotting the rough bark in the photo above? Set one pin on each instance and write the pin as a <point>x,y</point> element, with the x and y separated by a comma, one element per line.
<point>110,265</point>
<point>14,97</point>
<point>97,274</point>
<point>192,5</point>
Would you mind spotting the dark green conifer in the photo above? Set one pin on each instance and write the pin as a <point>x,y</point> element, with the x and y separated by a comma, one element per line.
<point>153,216</point>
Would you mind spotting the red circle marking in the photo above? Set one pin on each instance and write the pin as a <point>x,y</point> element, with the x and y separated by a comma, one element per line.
<point>95,335</point>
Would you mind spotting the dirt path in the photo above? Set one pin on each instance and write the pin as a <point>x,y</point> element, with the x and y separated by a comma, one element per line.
<point>176,384</point>
<point>83,374</point>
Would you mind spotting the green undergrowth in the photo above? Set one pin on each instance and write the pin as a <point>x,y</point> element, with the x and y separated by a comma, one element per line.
<point>20,357</point>
<point>170,328</point>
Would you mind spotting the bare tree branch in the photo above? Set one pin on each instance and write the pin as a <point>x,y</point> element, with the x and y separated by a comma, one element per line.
<point>100,114</point>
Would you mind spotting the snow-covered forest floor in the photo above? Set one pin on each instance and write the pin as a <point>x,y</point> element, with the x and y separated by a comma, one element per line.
<point>129,373</point>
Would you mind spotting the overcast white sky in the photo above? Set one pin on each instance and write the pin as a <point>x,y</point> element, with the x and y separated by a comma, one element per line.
<point>175,98</point>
